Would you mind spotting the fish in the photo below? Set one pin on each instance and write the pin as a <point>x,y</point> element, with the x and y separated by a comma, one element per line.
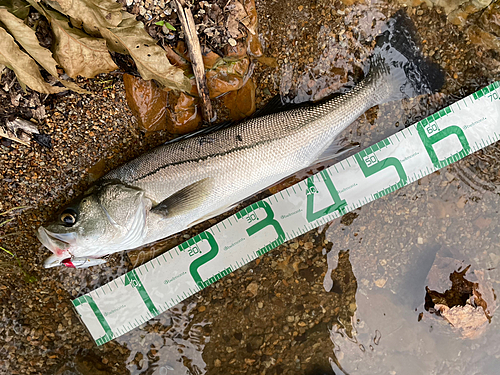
<point>180,184</point>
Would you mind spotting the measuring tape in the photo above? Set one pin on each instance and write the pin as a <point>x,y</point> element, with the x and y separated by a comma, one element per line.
<point>433,143</point>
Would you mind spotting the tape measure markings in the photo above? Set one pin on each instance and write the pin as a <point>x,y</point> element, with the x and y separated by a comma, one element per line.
<point>202,260</point>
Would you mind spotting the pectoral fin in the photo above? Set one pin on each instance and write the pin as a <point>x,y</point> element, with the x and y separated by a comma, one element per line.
<point>184,200</point>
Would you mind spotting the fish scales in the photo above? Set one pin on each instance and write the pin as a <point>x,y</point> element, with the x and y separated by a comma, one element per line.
<point>291,139</point>
<point>179,184</point>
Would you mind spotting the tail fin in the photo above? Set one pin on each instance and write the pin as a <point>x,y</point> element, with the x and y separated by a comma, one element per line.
<point>398,65</point>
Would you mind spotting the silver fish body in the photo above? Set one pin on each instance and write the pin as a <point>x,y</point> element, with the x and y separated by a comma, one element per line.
<point>180,184</point>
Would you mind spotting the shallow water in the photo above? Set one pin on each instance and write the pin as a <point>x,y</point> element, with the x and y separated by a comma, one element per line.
<point>304,308</point>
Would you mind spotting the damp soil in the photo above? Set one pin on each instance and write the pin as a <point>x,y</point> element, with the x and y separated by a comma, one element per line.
<point>348,296</point>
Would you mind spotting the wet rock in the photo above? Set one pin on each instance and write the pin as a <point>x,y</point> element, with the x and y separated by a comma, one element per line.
<point>241,103</point>
<point>227,77</point>
<point>147,102</point>
<point>183,115</point>
<point>210,59</point>
<point>236,52</point>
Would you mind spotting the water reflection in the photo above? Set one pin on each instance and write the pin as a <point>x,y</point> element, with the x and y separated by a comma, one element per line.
<point>168,344</point>
<point>401,244</point>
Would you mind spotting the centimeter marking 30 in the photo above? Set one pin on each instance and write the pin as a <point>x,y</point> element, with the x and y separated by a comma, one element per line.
<point>433,143</point>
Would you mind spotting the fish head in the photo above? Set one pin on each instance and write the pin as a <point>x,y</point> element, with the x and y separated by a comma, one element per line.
<point>110,217</point>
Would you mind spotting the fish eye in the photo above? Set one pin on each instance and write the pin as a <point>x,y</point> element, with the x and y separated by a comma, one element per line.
<point>68,217</point>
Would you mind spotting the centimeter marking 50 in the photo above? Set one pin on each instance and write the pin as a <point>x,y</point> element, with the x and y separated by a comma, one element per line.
<point>433,143</point>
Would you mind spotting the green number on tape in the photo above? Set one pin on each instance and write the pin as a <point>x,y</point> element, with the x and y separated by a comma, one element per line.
<point>133,279</point>
<point>370,165</point>
<point>425,127</point>
<point>338,204</point>
<point>98,314</point>
<point>268,220</point>
<point>205,258</point>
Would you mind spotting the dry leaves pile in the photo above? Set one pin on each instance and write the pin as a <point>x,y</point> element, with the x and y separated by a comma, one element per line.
<point>84,33</point>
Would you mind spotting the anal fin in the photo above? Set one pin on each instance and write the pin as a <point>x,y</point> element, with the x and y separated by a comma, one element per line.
<point>334,150</point>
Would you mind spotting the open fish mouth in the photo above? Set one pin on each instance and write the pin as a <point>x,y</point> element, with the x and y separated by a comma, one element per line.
<point>58,243</point>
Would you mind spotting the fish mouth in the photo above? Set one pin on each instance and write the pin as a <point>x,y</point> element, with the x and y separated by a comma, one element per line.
<point>58,243</point>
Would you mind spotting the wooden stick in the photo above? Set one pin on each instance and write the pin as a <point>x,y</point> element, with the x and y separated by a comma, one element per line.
<point>194,49</point>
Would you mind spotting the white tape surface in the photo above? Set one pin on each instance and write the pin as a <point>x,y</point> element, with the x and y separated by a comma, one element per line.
<point>443,138</point>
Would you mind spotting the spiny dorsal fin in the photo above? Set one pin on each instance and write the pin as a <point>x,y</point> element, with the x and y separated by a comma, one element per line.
<point>186,199</point>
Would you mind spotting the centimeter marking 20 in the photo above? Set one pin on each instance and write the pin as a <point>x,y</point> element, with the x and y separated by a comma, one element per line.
<point>433,143</point>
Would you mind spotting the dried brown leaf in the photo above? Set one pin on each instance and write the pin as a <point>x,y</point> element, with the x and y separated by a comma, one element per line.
<point>77,52</point>
<point>152,63</point>
<point>26,37</point>
<point>91,14</point>
<point>25,67</point>
<point>237,14</point>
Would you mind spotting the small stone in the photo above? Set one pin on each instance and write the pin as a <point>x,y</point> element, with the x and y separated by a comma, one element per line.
<point>260,305</point>
<point>301,324</point>
<point>232,42</point>
<point>300,8</point>
<point>130,2</point>
<point>420,240</point>
<point>290,319</point>
<point>202,308</point>
<point>217,363</point>
<point>461,202</point>
<point>253,287</point>
<point>380,282</point>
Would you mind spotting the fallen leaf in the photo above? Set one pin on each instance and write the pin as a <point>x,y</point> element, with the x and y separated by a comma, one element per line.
<point>237,14</point>
<point>152,63</point>
<point>250,21</point>
<point>25,67</point>
<point>26,37</point>
<point>91,14</point>
<point>77,52</point>
<point>18,8</point>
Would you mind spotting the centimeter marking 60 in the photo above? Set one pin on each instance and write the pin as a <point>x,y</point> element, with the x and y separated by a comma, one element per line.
<point>443,138</point>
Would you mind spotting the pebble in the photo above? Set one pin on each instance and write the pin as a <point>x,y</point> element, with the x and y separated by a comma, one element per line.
<point>253,287</point>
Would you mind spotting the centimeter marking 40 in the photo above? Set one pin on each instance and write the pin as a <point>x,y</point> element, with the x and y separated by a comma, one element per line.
<point>433,143</point>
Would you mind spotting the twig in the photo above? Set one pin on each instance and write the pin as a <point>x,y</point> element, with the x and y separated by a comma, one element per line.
<point>194,49</point>
<point>12,137</point>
